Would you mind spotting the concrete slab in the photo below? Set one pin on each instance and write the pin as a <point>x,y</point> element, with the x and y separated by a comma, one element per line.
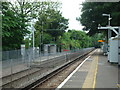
<point>107,75</point>
<point>76,81</point>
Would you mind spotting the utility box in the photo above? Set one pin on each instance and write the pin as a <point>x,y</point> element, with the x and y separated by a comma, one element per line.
<point>45,49</point>
<point>53,49</point>
<point>108,52</point>
<point>113,49</point>
<point>119,50</point>
<point>49,49</point>
<point>22,49</point>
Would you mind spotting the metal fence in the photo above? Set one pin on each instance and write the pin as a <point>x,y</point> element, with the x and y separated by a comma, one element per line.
<point>33,61</point>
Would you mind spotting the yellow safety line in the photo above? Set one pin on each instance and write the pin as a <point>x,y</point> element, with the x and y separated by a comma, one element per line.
<point>90,80</point>
<point>95,76</point>
<point>118,85</point>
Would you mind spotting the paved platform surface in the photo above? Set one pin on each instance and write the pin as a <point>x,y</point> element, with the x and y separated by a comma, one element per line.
<point>94,72</point>
<point>107,75</point>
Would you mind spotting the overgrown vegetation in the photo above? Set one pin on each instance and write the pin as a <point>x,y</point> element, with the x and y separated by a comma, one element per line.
<point>78,39</point>
<point>92,15</point>
<point>50,26</point>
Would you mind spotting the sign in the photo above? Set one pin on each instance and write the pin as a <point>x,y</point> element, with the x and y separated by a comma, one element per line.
<point>22,49</point>
<point>65,50</point>
<point>101,41</point>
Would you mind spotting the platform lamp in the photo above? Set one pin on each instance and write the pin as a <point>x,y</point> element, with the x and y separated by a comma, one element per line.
<point>109,31</point>
<point>109,18</point>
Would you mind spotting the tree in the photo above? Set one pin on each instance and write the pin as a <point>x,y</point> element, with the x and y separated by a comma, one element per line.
<point>58,26</point>
<point>92,15</point>
<point>50,20</point>
<point>16,18</point>
<point>12,32</point>
<point>76,39</point>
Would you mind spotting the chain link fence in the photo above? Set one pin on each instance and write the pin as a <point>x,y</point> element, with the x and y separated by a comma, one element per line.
<point>19,70</point>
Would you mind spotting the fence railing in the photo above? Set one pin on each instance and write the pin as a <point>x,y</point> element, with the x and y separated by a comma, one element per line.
<point>33,60</point>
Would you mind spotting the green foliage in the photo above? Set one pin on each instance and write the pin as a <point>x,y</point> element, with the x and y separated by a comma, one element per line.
<point>17,15</point>
<point>27,43</point>
<point>50,20</point>
<point>95,38</point>
<point>76,39</point>
<point>46,39</point>
<point>15,18</point>
<point>12,28</point>
<point>92,15</point>
<point>50,27</point>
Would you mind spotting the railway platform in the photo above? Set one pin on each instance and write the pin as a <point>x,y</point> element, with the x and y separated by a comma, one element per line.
<point>94,72</point>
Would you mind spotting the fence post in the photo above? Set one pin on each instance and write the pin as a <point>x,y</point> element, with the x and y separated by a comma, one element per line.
<point>66,57</point>
<point>40,56</point>
<point>11,61</point>
<point>29,58</point>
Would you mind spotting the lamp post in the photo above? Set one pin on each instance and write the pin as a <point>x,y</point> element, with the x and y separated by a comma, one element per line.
<point>33,30</point>
<point>109,18</point>
<point>109,31</point>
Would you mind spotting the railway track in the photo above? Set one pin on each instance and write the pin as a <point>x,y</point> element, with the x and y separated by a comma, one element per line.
<point>40,72</point>
<point>36,85</point>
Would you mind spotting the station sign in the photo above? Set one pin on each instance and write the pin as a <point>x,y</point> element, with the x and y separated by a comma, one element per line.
<point>101,41</point>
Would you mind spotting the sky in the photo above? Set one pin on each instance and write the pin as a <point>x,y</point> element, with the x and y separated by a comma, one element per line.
<point>70,10</point>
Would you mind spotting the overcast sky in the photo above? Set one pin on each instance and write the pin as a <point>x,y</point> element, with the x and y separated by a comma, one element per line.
<point>71,10</point>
